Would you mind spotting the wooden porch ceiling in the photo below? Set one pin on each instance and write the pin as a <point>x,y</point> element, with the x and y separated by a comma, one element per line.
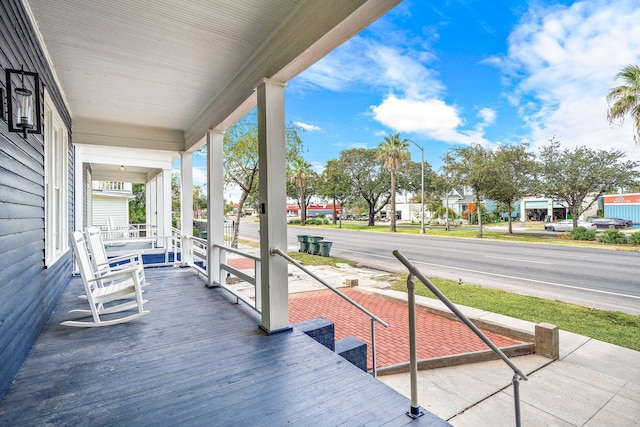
<point>159,74</point>
<point>197,359</point>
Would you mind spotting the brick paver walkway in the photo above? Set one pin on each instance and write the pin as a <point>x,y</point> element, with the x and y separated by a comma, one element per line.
<point>435,335</point>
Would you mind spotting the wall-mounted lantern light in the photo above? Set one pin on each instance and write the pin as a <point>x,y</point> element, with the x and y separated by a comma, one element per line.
<point>23,102</point>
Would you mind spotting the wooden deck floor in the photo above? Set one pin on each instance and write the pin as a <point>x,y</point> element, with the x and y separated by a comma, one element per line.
<point>197,359</point>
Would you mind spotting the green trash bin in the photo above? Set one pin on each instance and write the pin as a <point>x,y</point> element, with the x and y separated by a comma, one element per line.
<point>304,243</point>
<point>314,244</point>
<point>325,247</point>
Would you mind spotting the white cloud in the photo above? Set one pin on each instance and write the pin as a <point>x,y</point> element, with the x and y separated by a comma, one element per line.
<point>362,63</point>
<point>307,127</point>
<point>199,176</point>
<point>431,117</point>
<point>563,61</point>
<point>317,166</point>
<point>487,115</point>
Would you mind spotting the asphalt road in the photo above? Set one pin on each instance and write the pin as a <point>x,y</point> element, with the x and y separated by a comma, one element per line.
<point>599,278</point>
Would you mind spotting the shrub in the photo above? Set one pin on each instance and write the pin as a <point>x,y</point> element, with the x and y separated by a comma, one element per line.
<point>615,237</point>
<point>581,233</point>
<point>295,221</point>
<point>634,238</point>
<point>313,221</point>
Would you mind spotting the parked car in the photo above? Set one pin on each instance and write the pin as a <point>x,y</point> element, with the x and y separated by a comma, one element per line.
<point>628,222</point>
<point>567,225</point>
<point>611,223</point>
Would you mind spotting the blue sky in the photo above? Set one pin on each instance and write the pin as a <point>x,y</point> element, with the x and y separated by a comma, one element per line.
<point>466,71</point>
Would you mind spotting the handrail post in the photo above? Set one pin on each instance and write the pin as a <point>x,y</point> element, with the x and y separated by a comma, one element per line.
<point>413,354</point>
<point>374,371</point>
<point>516,397</point>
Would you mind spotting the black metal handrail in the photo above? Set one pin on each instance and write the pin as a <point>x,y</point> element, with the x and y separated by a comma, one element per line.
<point>372,316</point>
<point>413,271</point>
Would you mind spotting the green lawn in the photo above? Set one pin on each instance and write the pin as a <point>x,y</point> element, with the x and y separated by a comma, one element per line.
<point>609,326</point>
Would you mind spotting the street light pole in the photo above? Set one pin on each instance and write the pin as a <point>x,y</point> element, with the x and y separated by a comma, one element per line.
<point>422,184</point>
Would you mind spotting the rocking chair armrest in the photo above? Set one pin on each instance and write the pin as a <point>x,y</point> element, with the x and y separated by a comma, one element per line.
<point>116,274</point>
<point>130,257</point>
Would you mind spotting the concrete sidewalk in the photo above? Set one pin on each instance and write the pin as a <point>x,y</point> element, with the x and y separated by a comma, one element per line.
<point>591,384</point>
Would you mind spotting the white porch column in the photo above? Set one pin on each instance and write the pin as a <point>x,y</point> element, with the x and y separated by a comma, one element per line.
<point>151,203</point>
<point>273,221</point>
<point>80,189</point>
<point>164,204</point>
<point>215,206</point>
<point>186,203</point>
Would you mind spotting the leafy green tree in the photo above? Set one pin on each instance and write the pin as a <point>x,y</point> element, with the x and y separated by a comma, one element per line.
<point>228,207</point>
<point>468,165</point>
<point>368,177</point>
<point>513,171</point>
<point>334,184</point>
<point>199,200</point>
<point>137,206</point>
<point>634,188</point>
<point>175,195</point>
<point>442,183</point>
<point>241,161</point>
<point>624,100</point>
<point>570,175</point>
<point>410,179</point>
<point>394,153</point>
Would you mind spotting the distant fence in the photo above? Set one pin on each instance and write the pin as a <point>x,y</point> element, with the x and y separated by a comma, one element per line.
<point>201,229</point>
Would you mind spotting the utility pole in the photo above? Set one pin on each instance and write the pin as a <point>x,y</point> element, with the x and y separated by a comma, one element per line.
<point>422,183</point>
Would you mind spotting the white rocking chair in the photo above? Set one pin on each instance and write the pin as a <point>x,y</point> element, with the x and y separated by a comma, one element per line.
<point>117,232</point>
<point>102,264</point>
<point>105,288</point>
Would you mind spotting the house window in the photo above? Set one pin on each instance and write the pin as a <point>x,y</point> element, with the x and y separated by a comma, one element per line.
<point>56,172</point>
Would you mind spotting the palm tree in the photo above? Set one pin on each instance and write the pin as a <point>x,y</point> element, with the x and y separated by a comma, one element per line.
<point>393,152</point>
<point>300,169</point>
<point>626,98</point>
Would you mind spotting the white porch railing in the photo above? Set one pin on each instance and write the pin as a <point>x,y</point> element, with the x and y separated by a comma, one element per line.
<point>147,241</point>
<point>195,255</point>
<point>111,231</point>
<point>126,187</point>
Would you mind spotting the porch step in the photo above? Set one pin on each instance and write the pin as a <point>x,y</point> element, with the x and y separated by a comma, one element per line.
<point>354,350</point>
<point>323,331</point>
